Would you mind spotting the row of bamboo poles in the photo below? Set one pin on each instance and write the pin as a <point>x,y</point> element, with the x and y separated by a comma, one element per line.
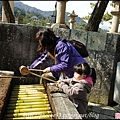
<point>28,102</point>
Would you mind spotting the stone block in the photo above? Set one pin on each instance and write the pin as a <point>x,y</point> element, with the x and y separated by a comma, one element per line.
<point>99,111</point>
<point>63,33</point>
<point>116,96</point>
<point>111,42</point>
<point>79,36</point>
<point>96,41</point>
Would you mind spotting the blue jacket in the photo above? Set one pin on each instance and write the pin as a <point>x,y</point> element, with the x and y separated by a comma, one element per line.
<point>66,57</point>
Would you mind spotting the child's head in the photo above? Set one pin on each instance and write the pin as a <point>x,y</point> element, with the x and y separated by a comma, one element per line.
<point>84,70</point>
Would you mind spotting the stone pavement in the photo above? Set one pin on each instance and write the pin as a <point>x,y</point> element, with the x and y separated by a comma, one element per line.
<point>97,111</point>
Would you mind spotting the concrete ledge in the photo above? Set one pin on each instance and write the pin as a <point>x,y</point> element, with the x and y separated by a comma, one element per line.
<point>62,107</point>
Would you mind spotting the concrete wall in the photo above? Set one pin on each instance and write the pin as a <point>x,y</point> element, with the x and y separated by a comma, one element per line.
<point>18,47</point>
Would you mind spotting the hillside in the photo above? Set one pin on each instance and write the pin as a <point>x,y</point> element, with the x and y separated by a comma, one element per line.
<point>47,14</point>
<point>19,6</point>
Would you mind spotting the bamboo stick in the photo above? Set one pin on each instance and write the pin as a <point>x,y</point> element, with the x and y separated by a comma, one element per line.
<point>24,71</point>
<point>29,88</point>
<point>29,103</point>
<point>30,91</point>
<point>11,76</point>
<point>28,114</point>
<point>37,70</point>
<point>33,85</point>
<point>35,117</point>
<point>43,77</point>
<point>32,95</point>
<point>28,110</point>
<point>21,92</point>
<point>14,105</point>
<point>22,87</point>
<point>27,106</point>
<point>27,98</point>
<point>27,93</point>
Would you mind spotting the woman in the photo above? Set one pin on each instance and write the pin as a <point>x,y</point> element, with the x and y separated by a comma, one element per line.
<point>60,50</point>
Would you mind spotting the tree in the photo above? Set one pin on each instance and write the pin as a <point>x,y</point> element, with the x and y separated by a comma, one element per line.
<point>96,16</point>
<point>106,16</point>
<point>8,12</point>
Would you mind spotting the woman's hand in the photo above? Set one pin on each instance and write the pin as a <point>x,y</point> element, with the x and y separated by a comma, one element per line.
<point>46,70</point>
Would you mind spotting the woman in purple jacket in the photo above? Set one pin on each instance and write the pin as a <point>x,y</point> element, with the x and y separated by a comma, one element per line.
<point>64,54</point>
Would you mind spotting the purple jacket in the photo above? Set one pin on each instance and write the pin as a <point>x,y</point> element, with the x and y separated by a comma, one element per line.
<point>66,57</point>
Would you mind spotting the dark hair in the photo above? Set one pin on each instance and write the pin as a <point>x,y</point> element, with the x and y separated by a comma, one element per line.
<point>93,75</point>
<point>84,68</point>
<point>48,40</point>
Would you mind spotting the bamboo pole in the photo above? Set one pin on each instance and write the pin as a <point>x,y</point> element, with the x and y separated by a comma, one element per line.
<point>28,100</point>
<point>30,86</point>
<point>32,95</point>
<point>24,71</point>
<point>11,76</point>
<point>36,70</point>
<point>28,90</point>
<point>33,85</point>
<point>36,117</point>
<point>41,88</point>
<point>28,110</point>
<point>43,77</point>
<point>28,93</point>
<point>29,103</point>
<point>29,114</point>
<point>27,106</point>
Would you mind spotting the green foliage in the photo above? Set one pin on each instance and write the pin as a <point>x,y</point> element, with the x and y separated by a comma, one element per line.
<point>78,25</point>
<point>23,13</point>
<point>106,16</point>
<point>92,5</point>
<point>26,20</point>
<point>27,17</point>
<point>87,17</point>
<point>42,23</point>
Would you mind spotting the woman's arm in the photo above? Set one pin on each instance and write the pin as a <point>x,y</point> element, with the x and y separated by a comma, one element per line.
<point>39,60</point>
<point>62,58</point>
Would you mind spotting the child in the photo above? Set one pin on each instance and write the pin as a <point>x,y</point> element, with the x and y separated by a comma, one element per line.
<point>78,86</point>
